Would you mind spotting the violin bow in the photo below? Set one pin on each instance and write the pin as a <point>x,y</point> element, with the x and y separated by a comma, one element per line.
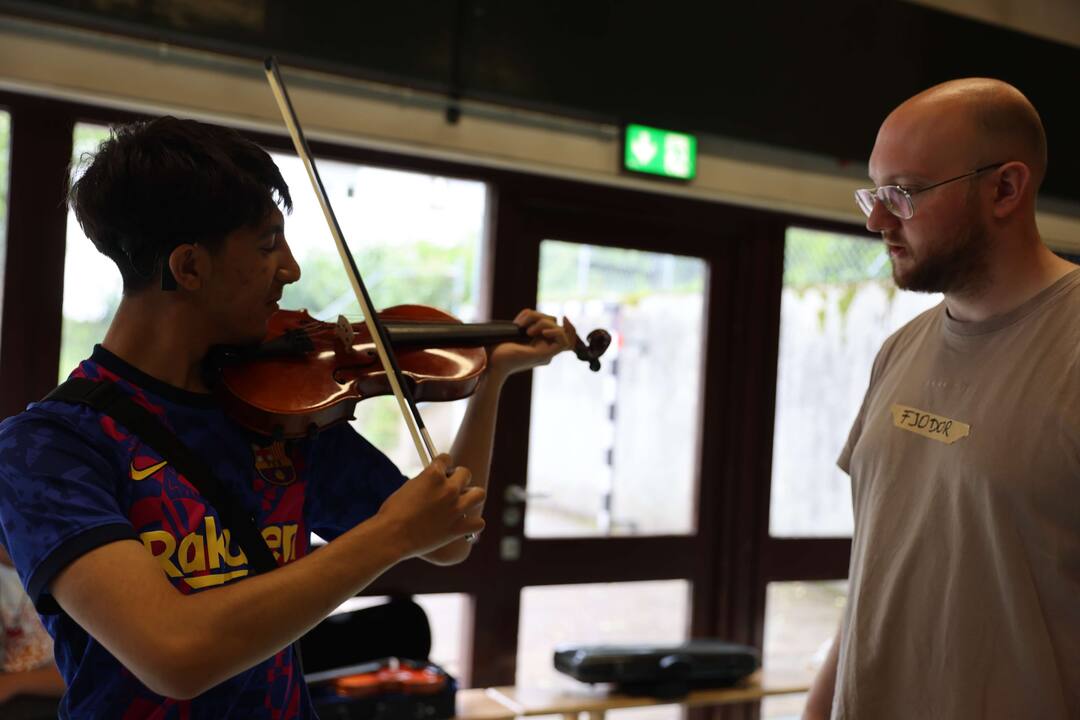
<point>425,448</point>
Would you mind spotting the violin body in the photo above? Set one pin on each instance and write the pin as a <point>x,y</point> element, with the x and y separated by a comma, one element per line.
<point>308,375</point>
<point>402,677</point>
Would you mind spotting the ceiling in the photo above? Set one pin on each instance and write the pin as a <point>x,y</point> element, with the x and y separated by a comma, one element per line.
<point>816,77</point>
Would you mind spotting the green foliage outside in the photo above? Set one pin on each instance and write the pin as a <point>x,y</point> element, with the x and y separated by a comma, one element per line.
<point>78,337</point>
<point>85,142</point>
<point>813,258</point>
<point>822,263</point>
<point>423,273</point>
<point>573,271</point>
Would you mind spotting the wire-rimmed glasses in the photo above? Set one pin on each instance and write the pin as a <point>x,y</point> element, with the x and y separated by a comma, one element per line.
<point>897,198</point>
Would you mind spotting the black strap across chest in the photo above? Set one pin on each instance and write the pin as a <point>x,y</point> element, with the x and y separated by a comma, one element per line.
<point>107,398</point>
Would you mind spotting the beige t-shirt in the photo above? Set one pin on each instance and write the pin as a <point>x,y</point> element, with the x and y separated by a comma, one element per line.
<point>965,561</point>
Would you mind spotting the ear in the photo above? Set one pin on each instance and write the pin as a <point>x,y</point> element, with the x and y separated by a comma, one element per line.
<point>1012,181</point>
<point>190,265</point>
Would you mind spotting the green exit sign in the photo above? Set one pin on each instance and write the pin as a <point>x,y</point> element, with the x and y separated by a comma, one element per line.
<point>659,152</point>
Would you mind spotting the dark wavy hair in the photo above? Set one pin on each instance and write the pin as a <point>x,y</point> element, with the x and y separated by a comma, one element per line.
<point>155,185</point>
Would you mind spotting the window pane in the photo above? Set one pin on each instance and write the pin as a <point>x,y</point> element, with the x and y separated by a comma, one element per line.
<point>92,284</point>
<point>635,612</point>
<point>614,423</point>
<point>416,238</point>
<point>839,304</point>
<point>5,154</point>
<point>447,614</point>
<point>801,620</point>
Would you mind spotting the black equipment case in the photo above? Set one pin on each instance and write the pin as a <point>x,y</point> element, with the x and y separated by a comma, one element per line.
<point>666,671</point>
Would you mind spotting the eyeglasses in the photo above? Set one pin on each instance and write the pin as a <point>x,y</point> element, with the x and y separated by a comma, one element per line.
<point>897,198</point>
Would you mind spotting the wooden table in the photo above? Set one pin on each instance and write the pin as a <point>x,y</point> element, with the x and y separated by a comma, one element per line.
<point>476,704</point>
<point>503,703</point>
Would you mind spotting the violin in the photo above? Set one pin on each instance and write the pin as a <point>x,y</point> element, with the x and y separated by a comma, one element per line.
<point>308,375</point>
<point>381,677</point>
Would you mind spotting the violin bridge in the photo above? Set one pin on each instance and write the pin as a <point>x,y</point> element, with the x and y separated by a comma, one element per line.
<point>344,332</point>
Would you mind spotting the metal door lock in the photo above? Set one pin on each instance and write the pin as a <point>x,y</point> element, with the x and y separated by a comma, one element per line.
<point>516,494</point>
<point>510,548</point>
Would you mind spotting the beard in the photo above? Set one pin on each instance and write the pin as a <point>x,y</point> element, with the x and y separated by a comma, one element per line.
<point>957,266</point>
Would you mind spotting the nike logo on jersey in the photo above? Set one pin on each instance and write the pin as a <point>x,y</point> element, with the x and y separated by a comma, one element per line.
<point>143,473</point>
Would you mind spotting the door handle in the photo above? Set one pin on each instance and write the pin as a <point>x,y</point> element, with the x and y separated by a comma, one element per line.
<point>516,494</point>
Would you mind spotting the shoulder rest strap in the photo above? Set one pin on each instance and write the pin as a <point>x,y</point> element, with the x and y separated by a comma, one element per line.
<point>107,398</point>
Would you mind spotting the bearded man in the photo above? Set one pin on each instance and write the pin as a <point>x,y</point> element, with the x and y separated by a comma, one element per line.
<point>965,456</point>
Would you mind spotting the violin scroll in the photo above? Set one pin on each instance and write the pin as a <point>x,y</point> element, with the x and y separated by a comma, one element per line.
<point>598,342</point>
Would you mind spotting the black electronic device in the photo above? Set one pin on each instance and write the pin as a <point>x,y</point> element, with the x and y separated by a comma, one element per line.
<point>666,671</point>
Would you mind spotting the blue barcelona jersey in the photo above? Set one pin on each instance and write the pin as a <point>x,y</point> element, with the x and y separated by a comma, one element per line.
<point>72,479</point>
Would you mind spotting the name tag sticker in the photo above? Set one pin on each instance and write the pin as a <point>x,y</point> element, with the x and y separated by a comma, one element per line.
<point>929,425</point>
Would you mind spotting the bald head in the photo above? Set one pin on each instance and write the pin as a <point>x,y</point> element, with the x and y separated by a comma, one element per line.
<point>976,147</point>
<point>980,120</point>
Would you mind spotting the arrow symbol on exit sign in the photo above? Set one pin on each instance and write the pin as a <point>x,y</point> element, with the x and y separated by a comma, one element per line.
<point>643,147</point>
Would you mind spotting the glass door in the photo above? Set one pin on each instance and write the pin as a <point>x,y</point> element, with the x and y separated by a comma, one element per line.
<point>635,449</point>
<point>609,455</point>
<point>605,509</point>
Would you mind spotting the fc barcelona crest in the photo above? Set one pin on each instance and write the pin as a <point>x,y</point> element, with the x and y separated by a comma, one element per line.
<point>273,464</point>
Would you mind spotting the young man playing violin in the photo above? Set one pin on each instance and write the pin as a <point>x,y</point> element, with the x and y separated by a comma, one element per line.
<point>152,603</point>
